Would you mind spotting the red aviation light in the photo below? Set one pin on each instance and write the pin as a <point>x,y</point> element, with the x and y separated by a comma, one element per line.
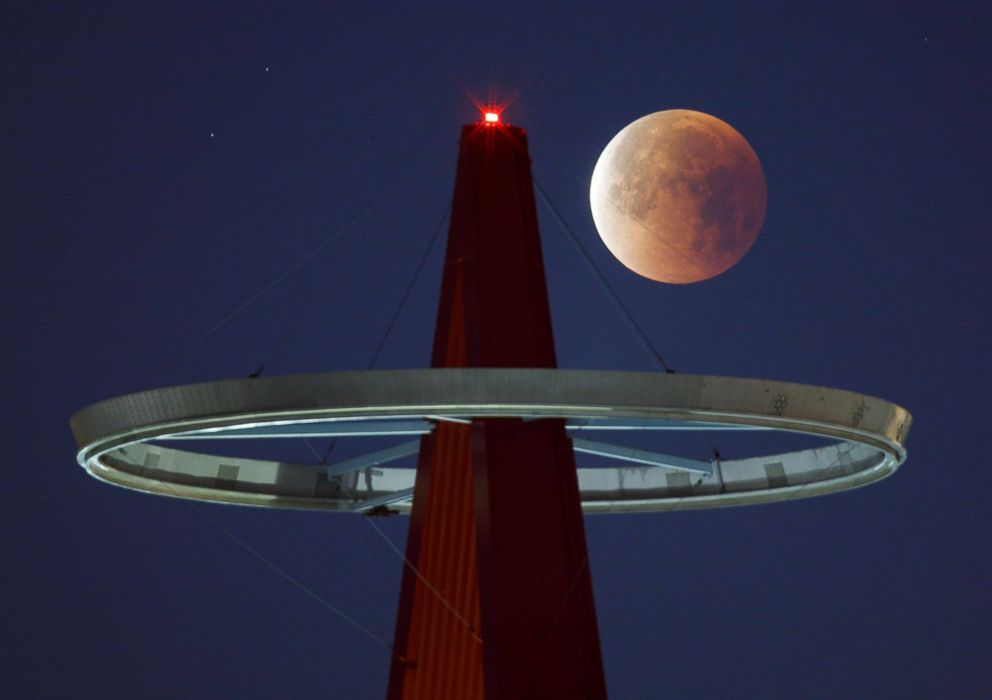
<point>490,118</point>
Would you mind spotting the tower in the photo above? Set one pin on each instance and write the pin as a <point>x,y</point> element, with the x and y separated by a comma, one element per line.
<point>496,600</point>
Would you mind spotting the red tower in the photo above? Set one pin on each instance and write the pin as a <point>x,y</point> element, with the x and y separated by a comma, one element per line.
<point>497,599</point>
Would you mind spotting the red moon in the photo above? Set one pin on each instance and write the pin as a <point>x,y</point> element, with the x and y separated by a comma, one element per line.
<point>678,196</point>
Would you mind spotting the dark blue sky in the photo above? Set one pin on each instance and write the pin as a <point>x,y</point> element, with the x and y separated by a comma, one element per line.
<point>161,165</point>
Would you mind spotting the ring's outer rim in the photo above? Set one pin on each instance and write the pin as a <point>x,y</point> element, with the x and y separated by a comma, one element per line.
<point>821,411</point>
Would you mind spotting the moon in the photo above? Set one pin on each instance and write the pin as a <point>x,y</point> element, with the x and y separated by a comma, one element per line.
<point>678,196</point>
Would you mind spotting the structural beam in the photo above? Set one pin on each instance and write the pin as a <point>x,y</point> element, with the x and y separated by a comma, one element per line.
<point>373,459</point>
<point>631,454</point>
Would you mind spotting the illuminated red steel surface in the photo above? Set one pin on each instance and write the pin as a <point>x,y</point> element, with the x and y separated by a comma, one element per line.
<point>503,604</point>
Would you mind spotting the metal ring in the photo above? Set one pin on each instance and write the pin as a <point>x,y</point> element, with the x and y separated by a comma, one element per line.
<point>114,435</point>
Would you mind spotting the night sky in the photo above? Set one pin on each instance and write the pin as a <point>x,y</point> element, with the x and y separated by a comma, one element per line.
<point>161,166</point>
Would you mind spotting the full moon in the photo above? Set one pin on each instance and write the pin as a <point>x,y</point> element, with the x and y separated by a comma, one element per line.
<point>678,196</point>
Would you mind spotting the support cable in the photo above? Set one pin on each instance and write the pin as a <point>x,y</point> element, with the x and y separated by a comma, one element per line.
<point>270,564</point>
<point>395,316</point>
<point>286,273</point>
<point>632,323</point>
<point>409,286</point>
<point>423,579</point>
<point>375,356</point>
<point>305,259</point>
<point>623,553</point>
<point>289,577</point>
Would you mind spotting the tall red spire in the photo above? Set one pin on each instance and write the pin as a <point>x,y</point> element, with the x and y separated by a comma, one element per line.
<point>497,601</point>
